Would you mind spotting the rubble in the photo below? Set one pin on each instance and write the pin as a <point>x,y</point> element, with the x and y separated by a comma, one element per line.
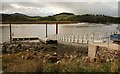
<point>57,54</point>
<point>105,55</point>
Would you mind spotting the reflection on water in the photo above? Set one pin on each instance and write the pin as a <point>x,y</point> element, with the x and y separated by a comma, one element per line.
<point>38,30</point>
<point>88,29</point>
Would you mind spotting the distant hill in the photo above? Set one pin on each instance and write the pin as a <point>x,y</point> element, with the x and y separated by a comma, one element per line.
<point>14,17</point>
<point>63,16</point>
<point>60,17</point>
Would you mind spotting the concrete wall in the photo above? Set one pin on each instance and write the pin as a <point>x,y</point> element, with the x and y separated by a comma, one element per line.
<point>92,51</point>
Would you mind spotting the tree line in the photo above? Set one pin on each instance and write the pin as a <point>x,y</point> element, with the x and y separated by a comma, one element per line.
<point>90,18</point>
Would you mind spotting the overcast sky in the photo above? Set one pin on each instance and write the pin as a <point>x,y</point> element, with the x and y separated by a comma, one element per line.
<point>45,8</point>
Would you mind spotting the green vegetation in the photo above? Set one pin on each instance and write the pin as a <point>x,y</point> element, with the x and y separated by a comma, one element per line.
<point>17,17</point>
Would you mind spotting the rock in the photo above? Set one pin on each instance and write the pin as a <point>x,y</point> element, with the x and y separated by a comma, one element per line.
<point>115,53</point>
<point>29,57</point>
<point>53,59</point>
<point>94,60</point>
<point>58,62</point>
<point>71,56</point>
<point>98,60</point>
<point>27,50</point>
<point>111,60</point>
<point>8,54</point>
<point>34,53</point>
<point>23,57</point>
<point>103,60</point>
<point>107,60</point>
<point>88,60</point>
<point>47,55</point>
<point>54,54</point>
<point>42,47</point>
<point>4,51</point>
<point>19,46</point>
<point>51,42</point>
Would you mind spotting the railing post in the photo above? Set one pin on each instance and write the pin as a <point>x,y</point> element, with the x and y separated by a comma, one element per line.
<point>67,38</point>
<point>73,39</point>
<point>64,38</point>
<point>111,33</point>
<point>82,38</point>
<point>78,39</point>
<point>70,38</point>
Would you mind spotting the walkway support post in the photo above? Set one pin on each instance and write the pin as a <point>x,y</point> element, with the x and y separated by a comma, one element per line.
<point>56,28</point>
<point>10,33</point>
<point>46,30</point>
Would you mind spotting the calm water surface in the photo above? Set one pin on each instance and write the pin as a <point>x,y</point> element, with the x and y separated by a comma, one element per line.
<point>38,30</point>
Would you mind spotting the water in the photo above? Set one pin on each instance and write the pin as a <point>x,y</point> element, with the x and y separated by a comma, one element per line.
<point>38,30</point>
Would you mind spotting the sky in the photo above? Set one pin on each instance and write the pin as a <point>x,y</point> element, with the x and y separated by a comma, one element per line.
<point>51,7</point>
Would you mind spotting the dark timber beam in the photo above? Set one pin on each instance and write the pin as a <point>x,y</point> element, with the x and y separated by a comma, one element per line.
<point>46,30</point>
<point>10,33</point>
<point>56,28</point>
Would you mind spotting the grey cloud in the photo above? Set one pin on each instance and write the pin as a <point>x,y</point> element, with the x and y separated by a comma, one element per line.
<point>91,7</point>
<point>31,4</point>
<point>119,8</point>
<point>107,8</point>
<point>6,6</point>
<point>60,0</point>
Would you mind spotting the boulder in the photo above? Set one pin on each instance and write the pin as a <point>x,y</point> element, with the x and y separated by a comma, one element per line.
<point>51,42</point>
<point>19,46</point>
<point>53,59</point>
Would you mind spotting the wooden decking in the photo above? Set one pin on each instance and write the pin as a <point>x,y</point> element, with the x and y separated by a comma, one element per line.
<point>25,38</point>
<point>110,45</point>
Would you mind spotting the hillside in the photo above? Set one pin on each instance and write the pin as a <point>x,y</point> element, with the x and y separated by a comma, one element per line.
<point>17,17</point>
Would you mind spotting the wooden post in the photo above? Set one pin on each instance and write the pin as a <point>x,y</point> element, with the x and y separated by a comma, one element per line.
<point>56,28</point>
<point>10,33</point>
<point>46,30</point>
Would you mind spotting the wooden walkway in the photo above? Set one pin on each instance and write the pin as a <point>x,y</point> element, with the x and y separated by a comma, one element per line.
<point>110,46</point>
<point>28,39</point>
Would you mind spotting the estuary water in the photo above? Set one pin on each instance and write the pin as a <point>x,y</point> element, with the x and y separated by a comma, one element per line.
<point>39,30</point>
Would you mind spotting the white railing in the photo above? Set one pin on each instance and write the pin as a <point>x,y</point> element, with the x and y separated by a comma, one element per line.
<point>82,38</point>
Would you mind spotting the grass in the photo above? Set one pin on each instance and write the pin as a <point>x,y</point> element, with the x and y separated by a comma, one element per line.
<point>26,61</point>
<point>64,65</point>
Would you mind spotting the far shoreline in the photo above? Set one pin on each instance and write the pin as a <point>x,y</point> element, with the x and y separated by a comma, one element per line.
<point>50,22</point>
<point>41,22</point>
